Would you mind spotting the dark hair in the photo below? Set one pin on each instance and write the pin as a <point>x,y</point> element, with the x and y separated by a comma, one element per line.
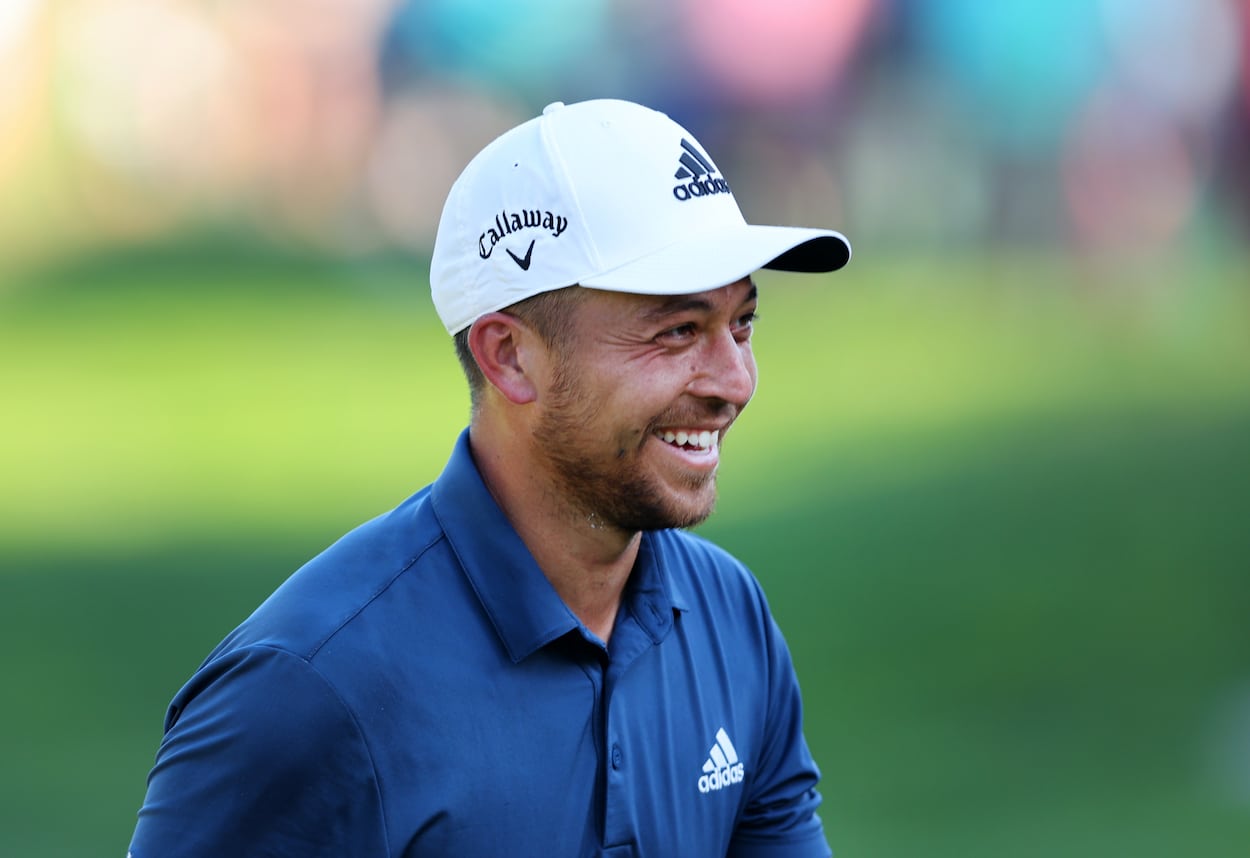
<point>550,314</point>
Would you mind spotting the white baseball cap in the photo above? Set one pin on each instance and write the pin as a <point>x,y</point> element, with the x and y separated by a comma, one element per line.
<point>604,194</point>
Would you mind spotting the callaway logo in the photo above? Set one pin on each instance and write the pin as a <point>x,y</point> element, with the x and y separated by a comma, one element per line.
<point>523,261</point>
<point>506,223</point>
<point>696,167</point>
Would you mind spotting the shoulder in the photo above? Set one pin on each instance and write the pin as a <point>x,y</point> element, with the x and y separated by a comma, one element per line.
<point>262,694</point>
<point>332,590</point>
<point>311,647</point>
<point>260,755</point>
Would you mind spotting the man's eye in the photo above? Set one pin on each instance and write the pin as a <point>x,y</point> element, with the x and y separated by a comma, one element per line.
<point>680,332</point>
<point>746,323</point>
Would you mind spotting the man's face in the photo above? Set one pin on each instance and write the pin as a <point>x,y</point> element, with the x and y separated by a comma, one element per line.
<point>633,420</point>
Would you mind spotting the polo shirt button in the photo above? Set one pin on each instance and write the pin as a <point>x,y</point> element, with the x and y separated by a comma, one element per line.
<point>617,757</point>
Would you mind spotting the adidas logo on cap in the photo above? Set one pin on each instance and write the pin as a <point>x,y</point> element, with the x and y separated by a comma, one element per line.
<point>722,768</point>
<point>696,167</point>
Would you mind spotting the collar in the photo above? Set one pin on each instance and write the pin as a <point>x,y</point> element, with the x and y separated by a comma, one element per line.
<point>523,607</point>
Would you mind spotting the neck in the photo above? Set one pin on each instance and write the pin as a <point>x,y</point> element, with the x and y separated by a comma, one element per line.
<point>587,562</point>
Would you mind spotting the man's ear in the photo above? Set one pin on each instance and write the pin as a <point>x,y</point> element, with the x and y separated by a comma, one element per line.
<point>502,346</point>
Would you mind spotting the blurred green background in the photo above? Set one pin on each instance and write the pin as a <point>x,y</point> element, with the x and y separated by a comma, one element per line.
<point>996,480</point>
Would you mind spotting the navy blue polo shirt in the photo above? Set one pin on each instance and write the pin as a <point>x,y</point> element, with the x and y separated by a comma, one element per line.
<point>420,689</point>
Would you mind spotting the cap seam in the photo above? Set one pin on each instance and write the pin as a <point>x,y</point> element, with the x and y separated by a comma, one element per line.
<point>556,155</point>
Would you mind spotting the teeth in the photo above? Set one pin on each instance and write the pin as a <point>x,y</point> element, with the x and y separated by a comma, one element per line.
<point>704,440</point>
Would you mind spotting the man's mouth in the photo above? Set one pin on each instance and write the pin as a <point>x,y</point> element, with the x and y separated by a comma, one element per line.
<point>689,439</point>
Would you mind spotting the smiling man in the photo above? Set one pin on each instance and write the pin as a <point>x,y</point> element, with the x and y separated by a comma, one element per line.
<point>530,656</point>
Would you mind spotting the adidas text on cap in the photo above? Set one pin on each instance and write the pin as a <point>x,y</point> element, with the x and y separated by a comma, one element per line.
<point>605,194</point>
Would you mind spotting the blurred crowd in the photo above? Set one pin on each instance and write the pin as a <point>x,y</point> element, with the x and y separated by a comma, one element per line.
<point>1098,125</point>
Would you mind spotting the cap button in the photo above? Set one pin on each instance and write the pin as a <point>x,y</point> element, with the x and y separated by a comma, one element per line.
<point>555,105</point>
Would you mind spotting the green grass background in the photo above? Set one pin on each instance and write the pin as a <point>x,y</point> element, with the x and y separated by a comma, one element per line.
<point>1000,506</point>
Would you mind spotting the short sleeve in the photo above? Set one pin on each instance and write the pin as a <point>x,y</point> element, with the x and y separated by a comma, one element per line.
<point>260,757</point>
<point>780,819</point>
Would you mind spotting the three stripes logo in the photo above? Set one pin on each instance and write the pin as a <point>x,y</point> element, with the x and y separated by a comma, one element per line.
<point>723,768</point>
<point>700,171</point>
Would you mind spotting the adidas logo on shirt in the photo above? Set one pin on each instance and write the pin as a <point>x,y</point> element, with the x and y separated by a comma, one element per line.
<point>723,768</point>
<point>696,167</point>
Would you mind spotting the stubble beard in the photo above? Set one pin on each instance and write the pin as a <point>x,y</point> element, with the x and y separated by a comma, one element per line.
<point>612,490</point>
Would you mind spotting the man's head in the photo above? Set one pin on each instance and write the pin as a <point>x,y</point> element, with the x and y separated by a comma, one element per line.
<point>594,270</point>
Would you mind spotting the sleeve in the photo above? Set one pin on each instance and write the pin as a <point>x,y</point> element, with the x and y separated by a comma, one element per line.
<point>779,819</point>
<point>260,757</point>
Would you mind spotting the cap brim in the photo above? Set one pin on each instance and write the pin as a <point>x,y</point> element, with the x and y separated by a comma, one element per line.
<point>703,262</point>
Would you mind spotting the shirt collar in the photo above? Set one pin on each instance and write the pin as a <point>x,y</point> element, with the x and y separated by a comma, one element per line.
<point>652,594</point>
<point>524,608</point>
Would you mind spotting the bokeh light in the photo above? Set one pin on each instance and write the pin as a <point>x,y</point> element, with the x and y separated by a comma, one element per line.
<point>164,110</point>
<point>1024,66</point>
<point>921,176</point>
<point>15,22</point>
<point>421,147</point>
<point>1182,54</point>
<point>517,43</point>
<point>18,89</point>
<point>777,51</point>
<point>1129,178</point>
<point>1245,52</point>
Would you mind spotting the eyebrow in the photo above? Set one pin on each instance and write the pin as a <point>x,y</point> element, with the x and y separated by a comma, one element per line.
<point>685,303</point>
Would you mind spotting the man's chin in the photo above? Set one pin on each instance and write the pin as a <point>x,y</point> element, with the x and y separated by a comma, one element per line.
<point>676,513</point>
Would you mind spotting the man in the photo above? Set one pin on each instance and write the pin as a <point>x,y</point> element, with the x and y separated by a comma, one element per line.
<point>528,657</point>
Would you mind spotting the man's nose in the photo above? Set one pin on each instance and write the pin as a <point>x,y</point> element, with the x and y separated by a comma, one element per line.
<point>726,370</point>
